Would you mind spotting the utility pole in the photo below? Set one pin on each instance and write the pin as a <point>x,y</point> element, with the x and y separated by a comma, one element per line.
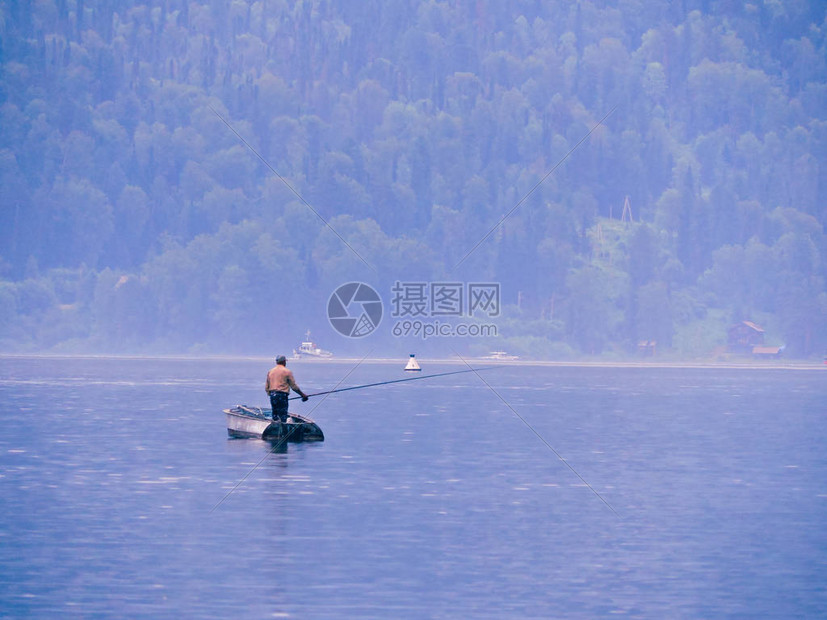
<point>627,208</point>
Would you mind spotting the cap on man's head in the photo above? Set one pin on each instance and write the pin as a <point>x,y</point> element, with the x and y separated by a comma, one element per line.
<point>281,360</point>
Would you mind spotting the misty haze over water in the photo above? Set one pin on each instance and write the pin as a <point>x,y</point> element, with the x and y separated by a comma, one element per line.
<point>472,182</point>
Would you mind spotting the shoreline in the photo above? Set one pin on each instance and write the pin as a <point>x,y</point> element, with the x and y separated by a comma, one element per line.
<point>700,365</point>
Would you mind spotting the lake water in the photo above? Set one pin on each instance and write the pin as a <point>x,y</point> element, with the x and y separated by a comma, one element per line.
<point>122,495</point>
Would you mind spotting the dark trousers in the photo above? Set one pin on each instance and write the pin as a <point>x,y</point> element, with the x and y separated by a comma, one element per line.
<point>278,401</point>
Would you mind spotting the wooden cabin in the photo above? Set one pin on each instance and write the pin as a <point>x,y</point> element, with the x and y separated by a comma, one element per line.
<point>743,336</point>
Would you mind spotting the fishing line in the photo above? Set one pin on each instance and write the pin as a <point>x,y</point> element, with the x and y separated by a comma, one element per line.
<point>539,436</point>
<point>367,385</point>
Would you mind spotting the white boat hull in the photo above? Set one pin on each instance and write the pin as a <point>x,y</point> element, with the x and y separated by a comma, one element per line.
<point>255,422</point>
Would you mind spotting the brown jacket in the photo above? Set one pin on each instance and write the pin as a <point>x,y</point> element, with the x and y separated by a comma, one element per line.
<point>280,379</point>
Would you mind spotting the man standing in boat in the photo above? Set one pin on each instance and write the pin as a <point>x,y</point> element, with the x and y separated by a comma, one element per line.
<point>279,382</point>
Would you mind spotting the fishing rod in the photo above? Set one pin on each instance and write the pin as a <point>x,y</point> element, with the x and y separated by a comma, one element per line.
<point>367,385</point>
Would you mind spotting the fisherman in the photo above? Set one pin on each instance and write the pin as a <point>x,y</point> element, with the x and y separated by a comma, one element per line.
<point>279,382</point>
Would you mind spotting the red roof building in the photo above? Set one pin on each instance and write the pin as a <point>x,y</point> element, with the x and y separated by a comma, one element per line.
<point>745,335</point>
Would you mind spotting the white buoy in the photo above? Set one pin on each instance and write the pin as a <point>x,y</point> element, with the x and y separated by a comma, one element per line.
<point>412,363</point>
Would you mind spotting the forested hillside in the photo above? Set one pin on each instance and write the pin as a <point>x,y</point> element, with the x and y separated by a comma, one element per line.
<point>135,219</point>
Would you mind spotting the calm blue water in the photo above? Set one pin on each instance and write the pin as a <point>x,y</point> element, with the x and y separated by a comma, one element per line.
<point>428,499</point>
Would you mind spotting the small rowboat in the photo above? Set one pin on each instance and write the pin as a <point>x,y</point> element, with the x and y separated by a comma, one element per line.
<point>244,421</point>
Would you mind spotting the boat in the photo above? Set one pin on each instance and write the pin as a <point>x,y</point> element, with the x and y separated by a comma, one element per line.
<point>245,421</point>
<point>308,348</point>
<point>500,356</point>
<point>412,363</point>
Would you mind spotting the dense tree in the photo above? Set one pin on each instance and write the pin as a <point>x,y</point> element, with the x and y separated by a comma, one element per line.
<point>592,315</point>
<point>133,142</point>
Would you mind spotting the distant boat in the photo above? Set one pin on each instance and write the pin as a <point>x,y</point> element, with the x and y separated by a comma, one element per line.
<point>308,348</point>
<point>244,421</point>
<point>412,363</point>
<point>501,356</point>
